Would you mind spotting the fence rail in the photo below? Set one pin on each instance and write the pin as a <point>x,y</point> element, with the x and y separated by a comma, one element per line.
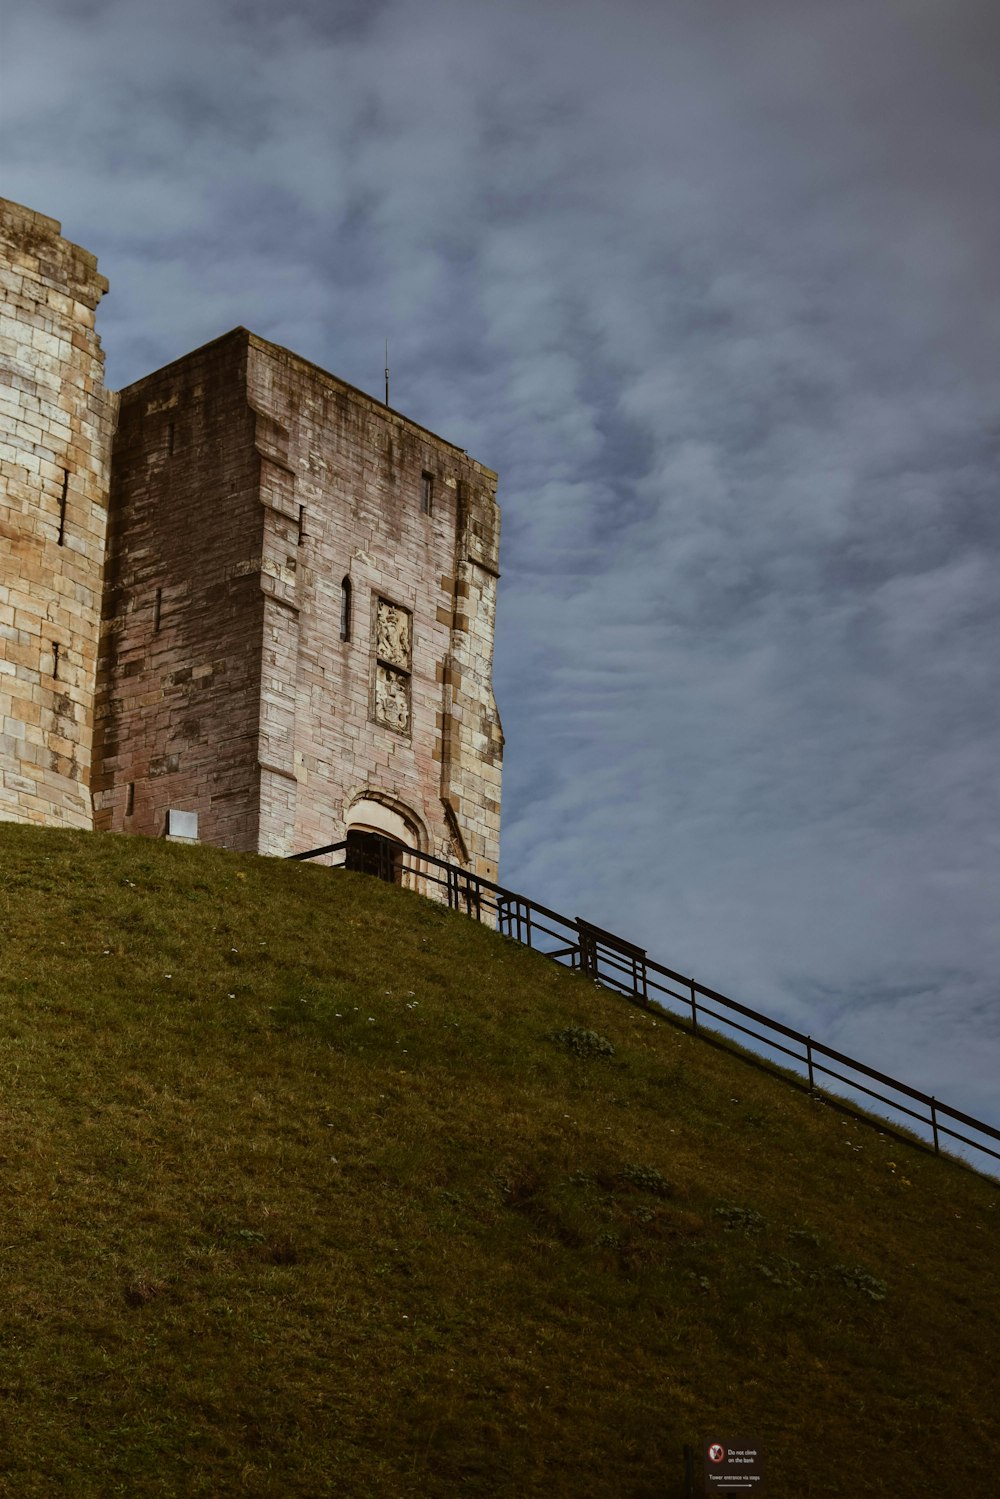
<point>625,968</point>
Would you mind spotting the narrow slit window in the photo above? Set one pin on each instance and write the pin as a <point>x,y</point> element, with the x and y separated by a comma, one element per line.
<point>170,439</point>
<point>62,507</point>
<point>157,610</point>
<point>302,524</point>
<point>130,799</point>
<point>55,660</point>
<point>426,492</point>
<point>345,609</point>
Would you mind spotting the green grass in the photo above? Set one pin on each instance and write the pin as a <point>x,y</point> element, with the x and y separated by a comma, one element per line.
<point>313,1189</point>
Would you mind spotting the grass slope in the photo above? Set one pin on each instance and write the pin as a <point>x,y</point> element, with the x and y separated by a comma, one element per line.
<point>302,1198</point>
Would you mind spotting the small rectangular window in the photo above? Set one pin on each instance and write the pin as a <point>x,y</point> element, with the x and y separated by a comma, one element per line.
<point>130,799</point>
<point>302,524</point>
<point>157,610</point>
<point>426,492</point>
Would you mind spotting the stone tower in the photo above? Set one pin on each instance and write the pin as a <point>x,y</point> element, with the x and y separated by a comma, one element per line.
<point>56,421</point>
<point>299,589</point>
<point>299,612</point>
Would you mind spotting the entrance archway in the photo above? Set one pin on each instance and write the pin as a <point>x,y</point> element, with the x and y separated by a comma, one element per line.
<point>377,832</point>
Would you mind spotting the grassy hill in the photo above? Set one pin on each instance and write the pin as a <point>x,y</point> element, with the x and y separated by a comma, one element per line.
<point>313,1189</point>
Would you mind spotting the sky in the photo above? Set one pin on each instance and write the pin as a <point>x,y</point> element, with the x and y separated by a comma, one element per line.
<point>715,286</point>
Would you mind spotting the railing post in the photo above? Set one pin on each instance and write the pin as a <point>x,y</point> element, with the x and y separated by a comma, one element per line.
<point>694,1007</point>
<point>640,978</point>
<point>809,1063</point>
<point>934,1127</point>
<point>588,952</point>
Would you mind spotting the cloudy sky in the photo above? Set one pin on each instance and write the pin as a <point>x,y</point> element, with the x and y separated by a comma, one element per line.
<point>715,286</point>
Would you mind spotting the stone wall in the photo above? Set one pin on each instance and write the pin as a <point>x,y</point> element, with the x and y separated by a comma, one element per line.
<point>179,675</point>
<point>249,489</point>
<point>56,421</point>
<point>472,742</point>
<point>299,590</point>
<point>401,712</point>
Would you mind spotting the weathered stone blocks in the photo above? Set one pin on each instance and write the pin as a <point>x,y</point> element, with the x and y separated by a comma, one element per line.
<point>298,601</point>
<point>57,420</point>
<point>252,495</point>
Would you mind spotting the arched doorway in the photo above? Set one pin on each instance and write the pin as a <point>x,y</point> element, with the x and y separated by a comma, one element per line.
<point>377,833</point>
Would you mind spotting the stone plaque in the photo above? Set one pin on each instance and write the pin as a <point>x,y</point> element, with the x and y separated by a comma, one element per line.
<point>392,634</point>
<point>392,697</point>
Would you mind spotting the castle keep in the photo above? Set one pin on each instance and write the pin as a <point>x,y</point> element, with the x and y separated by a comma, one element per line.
<point>240,600</point>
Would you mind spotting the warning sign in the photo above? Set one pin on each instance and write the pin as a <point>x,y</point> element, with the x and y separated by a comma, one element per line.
<point>733,1467</point>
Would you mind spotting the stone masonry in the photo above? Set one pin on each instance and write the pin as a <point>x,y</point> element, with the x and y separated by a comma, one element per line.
<point>56,421</point>
<point>182,636</point>
<point>299,592</point>
<point>299,614</point>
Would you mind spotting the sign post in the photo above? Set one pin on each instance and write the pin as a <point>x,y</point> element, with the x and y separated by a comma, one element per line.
<point>733,1467</point>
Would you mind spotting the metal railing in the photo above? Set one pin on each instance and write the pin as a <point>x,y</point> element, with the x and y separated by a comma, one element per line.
<point>625,968</point>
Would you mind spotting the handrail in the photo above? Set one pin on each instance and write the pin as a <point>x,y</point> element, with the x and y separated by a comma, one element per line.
<point>625,968</point>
